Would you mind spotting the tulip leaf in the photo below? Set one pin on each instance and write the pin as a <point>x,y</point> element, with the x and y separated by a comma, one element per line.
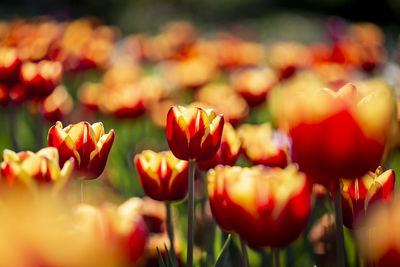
<point>169,260</point>
<point>160,259</point>
<point>223,253</point>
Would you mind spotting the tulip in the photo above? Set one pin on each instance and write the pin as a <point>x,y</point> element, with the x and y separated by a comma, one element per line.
<point>234,107</point>
<point>30,170</point>
<point>359,194</point>
<point>86,143</point>
<point>228,151</point>
<point>89,95</point>
<point>163,177</point>
<point>10,64</point>
<point>263,145</point>
<point>265,206</point>
<point>254,84</point>
<point>121,228</point>
<point>337,134</point>
<point>58,104</point>
<point>194,133</point>
<point>41,78</point>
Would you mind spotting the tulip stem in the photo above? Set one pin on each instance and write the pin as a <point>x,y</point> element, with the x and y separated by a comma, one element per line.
<point>245,257</point>
<point>190,234</point>
<point>39,129</point>
<point>12,112</point>
<point>339,226</point>
<point>170,230</point>
<point>275,257</point>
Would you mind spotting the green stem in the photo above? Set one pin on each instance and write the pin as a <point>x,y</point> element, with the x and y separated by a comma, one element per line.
<point>190,234</point>
<point>340,260</point>
<point>12,117</point>
<point>170,230</point>
<point>245,257</point>
<point>275,257</point>
<point>39,129</point>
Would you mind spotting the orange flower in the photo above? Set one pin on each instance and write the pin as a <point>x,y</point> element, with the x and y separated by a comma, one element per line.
<point>28,169</point>
<point>233,106</point>
<point>337,134</point>
<point>163,177</point>
<point>121,229</point>
<point>263,145</point>
<point>86,143</point>
<point>265,206</point>
<point>359,194</point>
<point>41,78</point>
<point>228,151</point>
<point>254,84</point>
<point>89,95</point>
<point>194,133</point>
<point>58,104</point>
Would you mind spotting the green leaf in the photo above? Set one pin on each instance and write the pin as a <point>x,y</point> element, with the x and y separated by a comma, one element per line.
<point>169,260</point>
<point>160,259</point>
<point>223,253</point>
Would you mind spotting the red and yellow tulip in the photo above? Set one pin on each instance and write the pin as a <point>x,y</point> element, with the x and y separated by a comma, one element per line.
<point>265,206</point>
<point>194,133</point>
<point>163,177</point>
<point>87,144</point>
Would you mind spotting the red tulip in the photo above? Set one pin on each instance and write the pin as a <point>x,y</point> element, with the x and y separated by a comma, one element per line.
<point>337,134</point>
<point>359,194</point>
<point>265,206</point>
<point>263,145</point>
<point>228,151</point>
<point>86,143</point>
<point>194,133</point>
<point>10,64</point>
<point>41,78</point>
<point>163,177</point>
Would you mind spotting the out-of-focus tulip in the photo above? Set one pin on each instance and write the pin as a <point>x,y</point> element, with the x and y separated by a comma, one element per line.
<point>58,104</point>
<point>228,151</point>
<point>322,236</point>
<point>87,144</point>
<point>121,228</point>
<point>337,134</point>
<point>159,110</point>
<point>120,75</point>
<point>194,133</point>
<point>289,57</point>
<point>3,95</point>
<point>224,100</point>
<point>41,78</point>
<point>359,194</point>
<point>335,75</point>
<point>89,95</point>
<point>254,84</point>
<point>10,64</point>
<point>30,170</point>
<point>193,72</point>
<point>378,240</point>
<point>163,177</point>
<point>265,206</point>
<point>263,145</point>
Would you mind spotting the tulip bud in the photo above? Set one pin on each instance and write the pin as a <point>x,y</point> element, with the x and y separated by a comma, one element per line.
<point>265,206</point>
<point>194,133</point>
<point>337,134</point>
<point>263,145</point>
<point>41,78</point>
<point>30,170</point>
<point>359,194</point>
<point>86,143</point>
<point>163,177</point>
<point>228,151</point>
